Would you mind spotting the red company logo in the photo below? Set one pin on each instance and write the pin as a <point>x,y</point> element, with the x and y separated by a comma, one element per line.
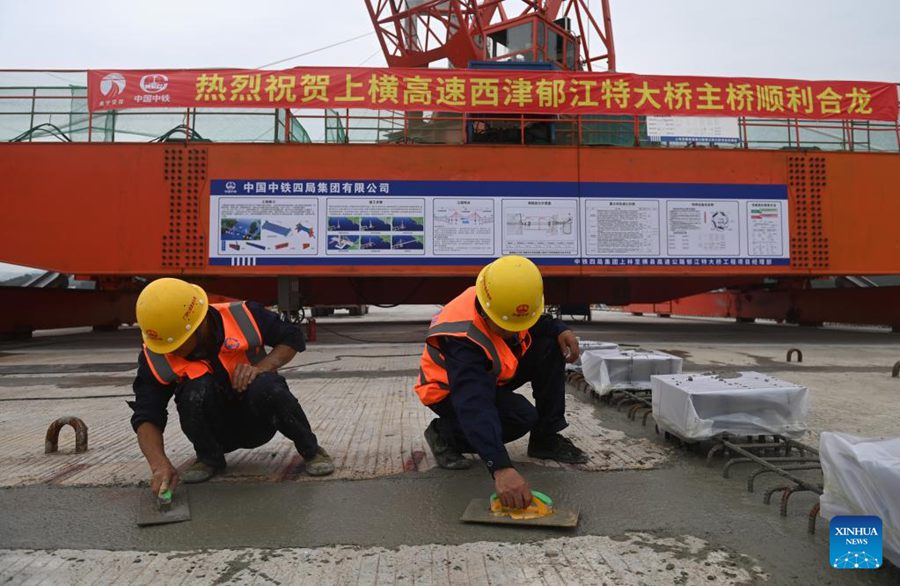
<point>190,309</point>
<point>522,309</point>
<point>231,343</point>
<point>152,334</point>
<point>112,85</point>
<point>154,83</point>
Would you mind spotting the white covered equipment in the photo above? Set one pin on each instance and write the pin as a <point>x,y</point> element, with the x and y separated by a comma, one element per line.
<point>862,477</point>
<point>589,346</point>
<point>701,406</point>
<point>608,370</point>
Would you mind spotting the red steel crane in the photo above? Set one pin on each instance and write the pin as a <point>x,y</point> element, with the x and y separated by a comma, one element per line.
<point>415,33</point>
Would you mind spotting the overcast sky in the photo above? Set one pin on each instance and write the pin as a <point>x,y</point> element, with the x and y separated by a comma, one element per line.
<point>810,39</point>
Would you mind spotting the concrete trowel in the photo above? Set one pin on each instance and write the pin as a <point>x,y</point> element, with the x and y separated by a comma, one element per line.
<point>540,513</point>
<point>166,507</point>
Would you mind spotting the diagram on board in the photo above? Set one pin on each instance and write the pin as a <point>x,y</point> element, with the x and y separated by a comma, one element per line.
<point>537,227</point>
<point>341,242</point>
<point>767,226</point>
<point>548,224</point>
<point>407,224</point>
<point>463,226</point>
<point>703,228</point>
<point>240,229</point>
<point>407,243</point>
<point>606,224</point>
<point>375,226</point>
<point>343,224</point>
<point>276,226</point>
<point>377,241</point>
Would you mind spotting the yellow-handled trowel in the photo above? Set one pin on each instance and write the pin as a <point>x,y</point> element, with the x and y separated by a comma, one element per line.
<point>539,513</point>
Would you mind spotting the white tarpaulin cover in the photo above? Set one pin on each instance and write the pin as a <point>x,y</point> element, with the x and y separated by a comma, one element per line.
<point>700,406</point>
<point>607,370</point>
<point>589,345</point>
<point>862,477</point>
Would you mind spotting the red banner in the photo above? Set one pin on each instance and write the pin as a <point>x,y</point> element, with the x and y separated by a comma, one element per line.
<point>491,91</point>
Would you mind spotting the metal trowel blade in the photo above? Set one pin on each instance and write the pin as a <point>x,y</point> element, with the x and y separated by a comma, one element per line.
<point>150,512</point>
<point>479,511</point>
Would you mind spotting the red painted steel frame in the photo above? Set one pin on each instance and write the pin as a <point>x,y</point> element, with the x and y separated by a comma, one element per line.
<point>877,306</point>
<point>126,210</point>
<point>143,209</point>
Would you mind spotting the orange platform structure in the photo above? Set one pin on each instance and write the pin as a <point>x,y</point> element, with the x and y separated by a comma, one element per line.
<point>309,203</point>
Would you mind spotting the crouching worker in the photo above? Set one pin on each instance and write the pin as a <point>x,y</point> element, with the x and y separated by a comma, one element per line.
<point>227,389</point>
<point>484,344</point>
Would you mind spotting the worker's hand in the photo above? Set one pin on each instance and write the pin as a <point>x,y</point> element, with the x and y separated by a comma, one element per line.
<point>164,476</point>
<point>243,375</point>
<point>568,345</point>
<point>512,488</point>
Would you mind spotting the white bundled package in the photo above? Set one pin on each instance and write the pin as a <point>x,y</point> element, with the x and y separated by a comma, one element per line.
<point>588,346</point>
<point>862,477</point>
<point>701,406</point>
<point>608,370</point>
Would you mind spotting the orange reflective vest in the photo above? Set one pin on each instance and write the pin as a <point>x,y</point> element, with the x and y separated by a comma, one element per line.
<point>243,344</point>
<point>461,319</point>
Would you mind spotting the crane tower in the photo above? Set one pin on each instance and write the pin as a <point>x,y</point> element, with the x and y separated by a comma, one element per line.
<point>415,33</point>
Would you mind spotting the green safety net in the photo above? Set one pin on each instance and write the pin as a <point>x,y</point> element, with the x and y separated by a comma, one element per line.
<point>60,113</point>
<point>334,129</point>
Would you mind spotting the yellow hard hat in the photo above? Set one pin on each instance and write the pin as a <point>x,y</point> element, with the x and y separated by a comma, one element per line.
<point>511,292</point>
<point>168,312</point>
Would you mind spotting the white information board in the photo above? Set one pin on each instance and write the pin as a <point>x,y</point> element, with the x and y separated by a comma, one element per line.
<point>322,222</point>
<point>700,129</point>
<point>463,227</point>
<point>703,228</point>
<point>622,227</point>
<point>540,226</point>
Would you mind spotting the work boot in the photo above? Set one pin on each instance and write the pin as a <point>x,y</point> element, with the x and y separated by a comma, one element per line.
<point>199,472</point>
<point>556,447</point>
<point>446,455</point>
<point>320,464</point>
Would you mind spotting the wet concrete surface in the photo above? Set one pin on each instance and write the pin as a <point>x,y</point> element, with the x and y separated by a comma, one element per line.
<point>682,498</point>
<point>685,499</point>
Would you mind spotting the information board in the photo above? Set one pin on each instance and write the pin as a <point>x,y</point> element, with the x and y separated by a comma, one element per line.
<point>326,221</point>
<point>699,129</point>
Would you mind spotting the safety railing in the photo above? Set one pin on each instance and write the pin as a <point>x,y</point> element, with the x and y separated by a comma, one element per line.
<point>52,106</point>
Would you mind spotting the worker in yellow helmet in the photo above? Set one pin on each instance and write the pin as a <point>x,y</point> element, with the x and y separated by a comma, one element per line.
<point>484,344</point>
<point>228,392</point>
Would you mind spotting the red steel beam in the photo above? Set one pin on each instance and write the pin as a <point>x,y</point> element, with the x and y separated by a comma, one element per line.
<point>863,305</point>
<point>25,309</point>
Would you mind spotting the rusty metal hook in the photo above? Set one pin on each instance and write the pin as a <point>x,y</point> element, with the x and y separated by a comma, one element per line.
<point>51,442</point>
<point>792,351</point>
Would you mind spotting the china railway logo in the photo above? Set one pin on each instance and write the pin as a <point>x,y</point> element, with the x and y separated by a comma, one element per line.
<point>152,334</point>
<point>522,309</point>
<point>154,83</point>
<point>231,343</point>
<point>112,85</point>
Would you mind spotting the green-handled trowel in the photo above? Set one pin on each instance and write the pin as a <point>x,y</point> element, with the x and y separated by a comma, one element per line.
<point>165,507</point>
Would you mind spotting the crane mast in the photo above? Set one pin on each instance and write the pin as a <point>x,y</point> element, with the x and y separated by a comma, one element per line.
<point>416,33</point>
